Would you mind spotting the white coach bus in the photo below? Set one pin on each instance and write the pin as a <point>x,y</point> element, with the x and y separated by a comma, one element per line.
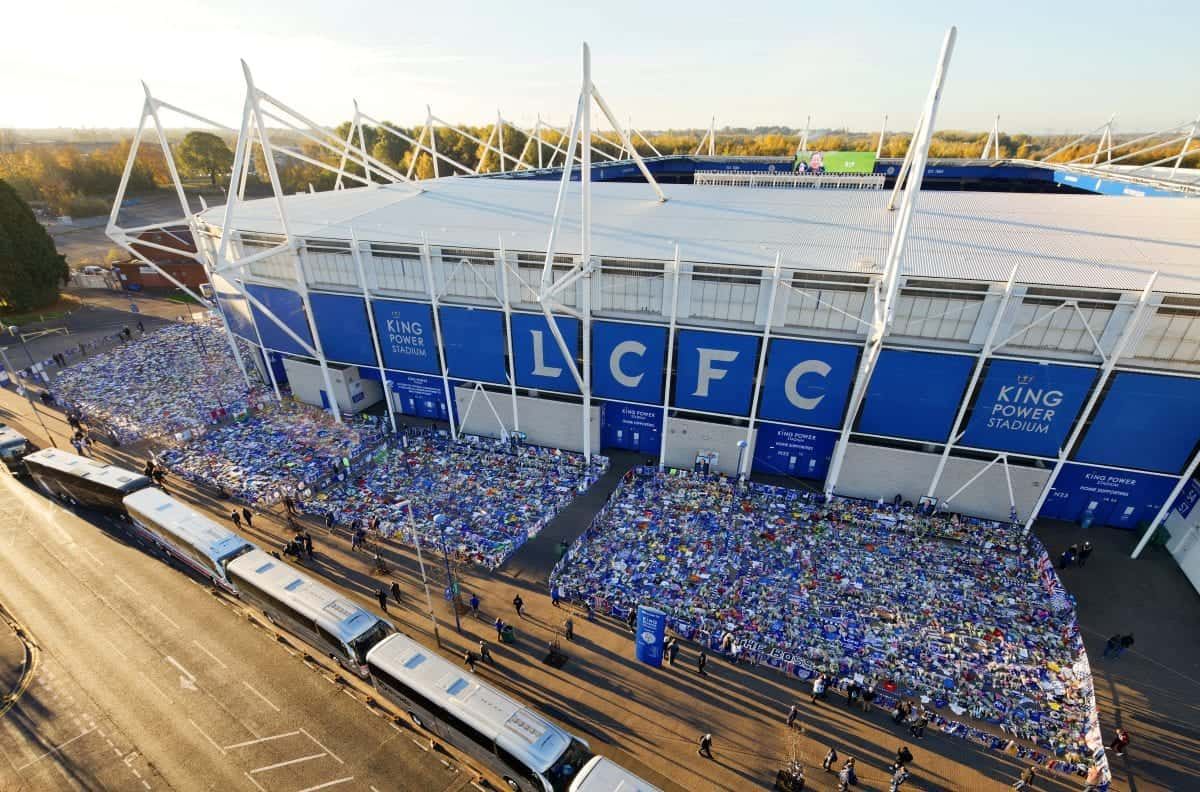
<point>316,613</point>
<point>84,481</point>
<point>186,534</point>
<point>604,775</point>
<point>514,742</point>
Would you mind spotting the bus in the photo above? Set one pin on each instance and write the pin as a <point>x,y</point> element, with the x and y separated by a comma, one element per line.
<point>13,446</point>
<point>83,481</point>
<point>605,775</point>
<point>185,534</point>
<point>313,612</point>
<point>514,742</point>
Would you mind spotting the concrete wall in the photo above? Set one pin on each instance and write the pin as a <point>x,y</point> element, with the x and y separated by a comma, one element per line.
<point>307,383</point>
<point>686,439</point>
<point>877,472</point>
<point>548,423</point>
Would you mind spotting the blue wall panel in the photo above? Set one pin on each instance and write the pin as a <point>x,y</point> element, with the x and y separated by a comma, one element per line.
<point>474,344</point>
<point>1114,497</point>
<point>808,382</point>
<point>1187,499</point>
<point>539,361</point>
<point>627,361</point>
<point>634,427</point>
<point>715,371</point>
<point>915,394</point>
<point>420,396</point>
<point>289,309</point>
<point>1146,421</point>
<point>792,451</point>
<point>342,325</point>
<point>235,307</point>
<point>1027,407</point>
<point>407,337</point>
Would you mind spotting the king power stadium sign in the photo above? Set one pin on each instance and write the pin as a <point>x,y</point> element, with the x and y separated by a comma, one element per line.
<point>1027,407</point>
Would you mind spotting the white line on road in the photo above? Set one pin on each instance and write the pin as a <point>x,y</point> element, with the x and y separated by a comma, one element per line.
<point>168,618</point>
<point>56,749</point>
<point>277,765</point>
<point>124,583</point>
<point>210,739</point>
<point>323,748</point>
<point>270,703</point>
<point>327,784</point>
<point>94,557</point>
<point>261,740</point>
<point>252,781</point>
<point>216,659</point>
<point>157,688</point>
<point>182,670</point>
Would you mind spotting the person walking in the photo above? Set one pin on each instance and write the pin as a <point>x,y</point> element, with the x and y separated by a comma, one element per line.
<point>470,659</point>
<point>569,628</point>
<point>519,606</point>
<point>308,546</point>
<point>329,521</point>
<point>818,690</point>
<point>631,620</point>
<point>1119,743</point>
<point>668,651</point>
<point>793,713</point>
<point>903,756</point>
<point>1026,779</point>
<point>554,596</point>
<point>499,625</point>
<point>868,696</point>
<point>701,662</point>
<point>485,654</point>
<point>236,517</point>
<point>705,746</point>
<point>474,605</point>
<point>1113,645</point>
<point>396,592</point>
<point>248,516</point>
<point>1084,552</point>
<point>917,729</point>
<point>831,757</point>
<point>847,777</point>
<point>1126,642</point>
<point>382,595</point>
<point>898,778</point>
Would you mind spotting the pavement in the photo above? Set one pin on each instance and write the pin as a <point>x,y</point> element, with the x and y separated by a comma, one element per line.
<point>649,719</point>
<point>12,663</point>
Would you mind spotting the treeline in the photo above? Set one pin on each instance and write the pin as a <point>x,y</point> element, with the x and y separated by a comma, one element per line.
<point>69,181</point>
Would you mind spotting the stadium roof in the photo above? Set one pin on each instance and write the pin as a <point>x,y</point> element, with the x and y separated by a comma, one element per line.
<point>1064,240</point>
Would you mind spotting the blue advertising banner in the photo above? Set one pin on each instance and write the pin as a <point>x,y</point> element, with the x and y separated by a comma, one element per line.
<point>808,382</point>
<point>651,635</point>
<point>407,337</point>
<point>289,309</point>
<point>473,341</point>
<point>634,427</point>
<point>1147,421</point>
<point>715,371</point>
<point>1187,498</point>
<point>416,395</point>
<point>342,324</point>
<point>915,394</point>
<point>792,451</point>
<point>627,361</point>
<point>1110,497</point>
<point>539,361</point>
<point>1027,407</point>
<point>235,307</point>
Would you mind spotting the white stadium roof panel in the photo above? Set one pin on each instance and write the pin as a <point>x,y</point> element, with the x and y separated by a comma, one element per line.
<point>1066,240</point>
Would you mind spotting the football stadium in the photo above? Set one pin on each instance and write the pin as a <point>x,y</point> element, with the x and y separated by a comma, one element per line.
<point>823,400</point>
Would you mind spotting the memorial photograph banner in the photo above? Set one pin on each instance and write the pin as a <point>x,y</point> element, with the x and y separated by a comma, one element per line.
<point>1026,407</point>
<point>915,394</point>
<point>628,360</point>
<point>342,325</point>
<point>808,382</point>
<point>539,360</point>
<point>793,451</point>
<point>473,340</point>
<point>407,337</point>
<point>1146,421</point>
<point>715,371</point>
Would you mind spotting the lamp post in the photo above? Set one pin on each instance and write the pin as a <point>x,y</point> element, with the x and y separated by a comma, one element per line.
<point>412,526</point>
<point>742,445</point>
<point>14,330</point>
<point>451,584</point>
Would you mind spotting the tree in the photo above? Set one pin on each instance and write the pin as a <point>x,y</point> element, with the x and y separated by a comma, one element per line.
<point>31,269</point>
<point>204,153</point>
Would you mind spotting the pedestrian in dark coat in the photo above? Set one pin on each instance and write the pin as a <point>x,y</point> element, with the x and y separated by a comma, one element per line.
<point>1120,742</point>
<point>237,518</point>
<point>519,606</point>
<point>847,777</point>
<point>396,592</point>
<point>499,625</point>
<point>382,595</point>
<point>248,516</point>
<point>569,628</point>
<point>830,757</point>
<point>308,549</point>
<point>903,756</point>
<point>705,746</point>
<point>1084,552</point>
<point>475,605</point>
<point>793,713</point>
<point>701,661</point>
<point>631,620</point>
<point>470,659</point>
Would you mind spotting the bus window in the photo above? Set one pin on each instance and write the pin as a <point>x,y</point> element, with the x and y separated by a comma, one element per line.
<point>563,772</point>
<point>363,643</point>
<point>331,642</point>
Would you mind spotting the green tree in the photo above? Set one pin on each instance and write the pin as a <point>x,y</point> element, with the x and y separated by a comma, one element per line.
<point>203,153</point>
<point>31,269</point>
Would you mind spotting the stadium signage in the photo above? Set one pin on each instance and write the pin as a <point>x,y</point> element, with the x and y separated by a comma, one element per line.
<point>715,371</point>
<point>405,332</point>
<point>1027,407</point>
<point>808,382</point>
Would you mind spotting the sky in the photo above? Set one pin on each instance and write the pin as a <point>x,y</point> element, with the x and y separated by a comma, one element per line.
<point>1043,67</point>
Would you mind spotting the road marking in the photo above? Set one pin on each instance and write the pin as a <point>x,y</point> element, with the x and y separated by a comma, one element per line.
<point>216,659</point>
<point>261,740</point>
<point>182,670</point>
<point>327,784</point>
<point>277,765</point>
<point>168,618</point>
<point>157,688</point>
<point>270,703</point>
<point>145,783</point>
<point>210,739</point>
<point>55,749</point>
<point>252,781</point>
<point>323,748</point>
<point>93,555</point>
<point>124,583</point>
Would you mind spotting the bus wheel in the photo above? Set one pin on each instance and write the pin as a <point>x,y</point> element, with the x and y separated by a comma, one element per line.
<point>416,719</point>
<point>513,785</point>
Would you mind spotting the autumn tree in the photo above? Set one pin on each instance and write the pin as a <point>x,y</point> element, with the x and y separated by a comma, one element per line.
<point>205,154</point>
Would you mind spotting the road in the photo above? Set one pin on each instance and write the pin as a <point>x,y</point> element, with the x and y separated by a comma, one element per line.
<point>147,680</point>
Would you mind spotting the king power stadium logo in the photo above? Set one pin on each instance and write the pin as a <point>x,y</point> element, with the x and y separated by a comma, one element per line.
<point>1024,407</point>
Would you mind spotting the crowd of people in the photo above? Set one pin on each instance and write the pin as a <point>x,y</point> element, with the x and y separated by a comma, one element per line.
<point>169,385</point>
<point>872,597</point>
<point>280,450</point>
<point>481,498</point>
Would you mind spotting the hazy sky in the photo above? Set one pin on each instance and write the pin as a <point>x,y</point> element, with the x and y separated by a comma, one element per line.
<point>1045,66</point>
